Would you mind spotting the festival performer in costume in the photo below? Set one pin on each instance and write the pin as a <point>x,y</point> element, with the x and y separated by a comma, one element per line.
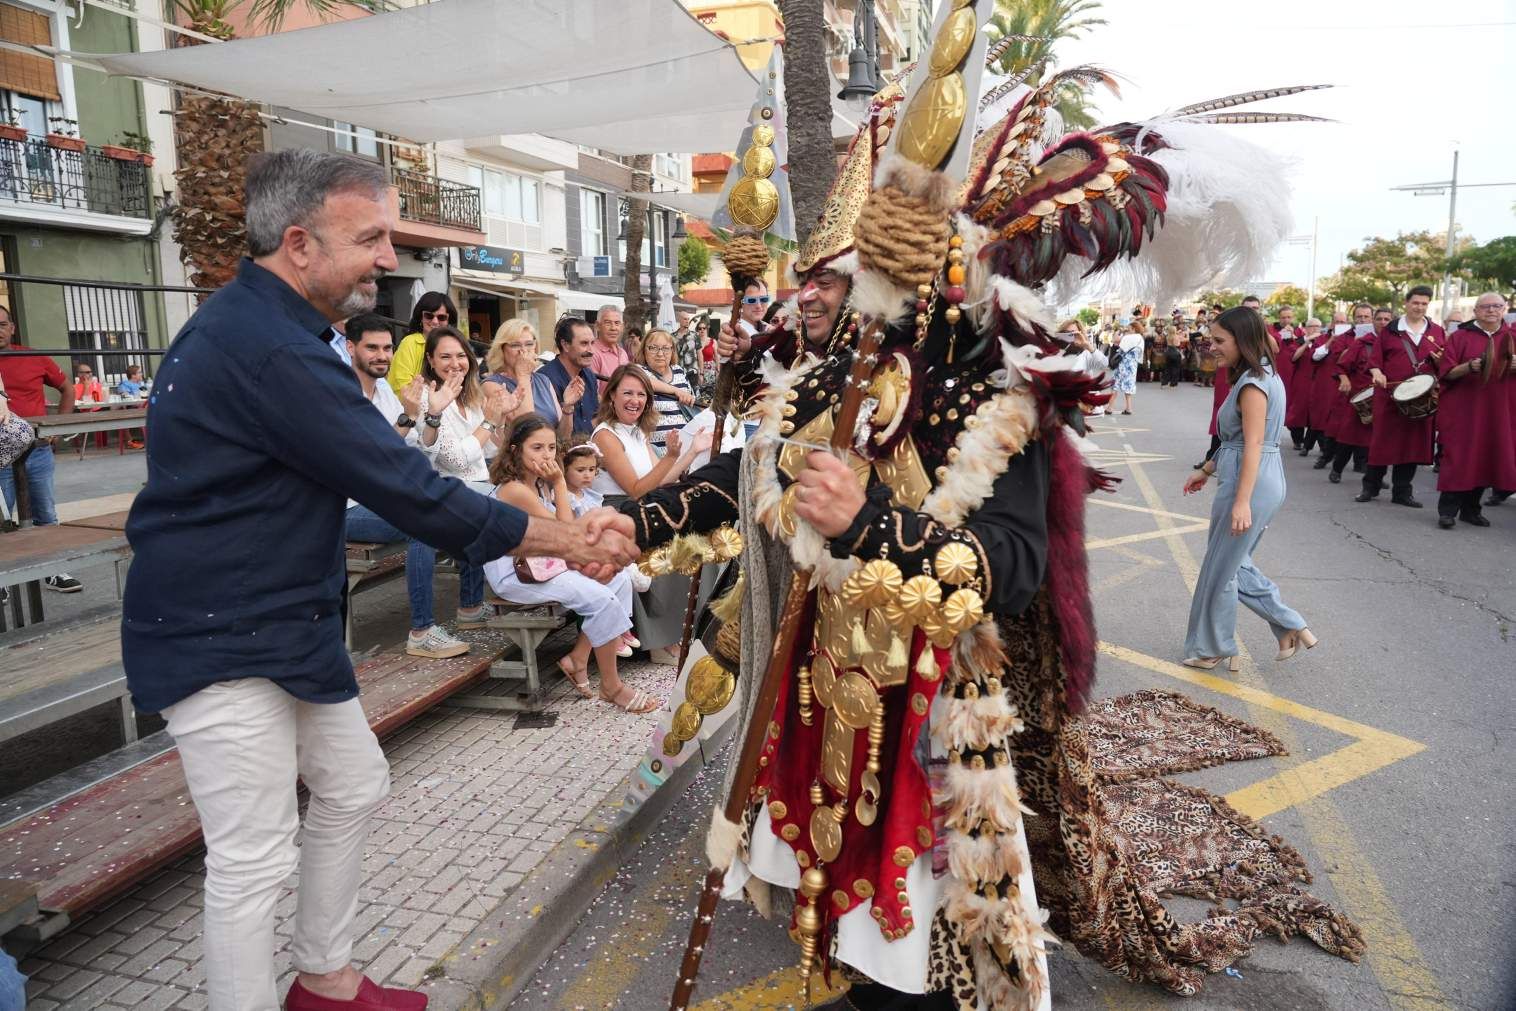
<point>1350,424</point>
<point>942,608</point>
<point>1409,347</point>
<point>1323,398</point>
<point>1288,338</point>
<point>1474,421</point>
<point>1297,378</point>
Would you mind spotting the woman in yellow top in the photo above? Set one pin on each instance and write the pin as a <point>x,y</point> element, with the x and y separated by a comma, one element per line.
<point>433,309</point>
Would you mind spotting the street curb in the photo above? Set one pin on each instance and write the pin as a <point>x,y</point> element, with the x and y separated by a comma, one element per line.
<point>492,965</point>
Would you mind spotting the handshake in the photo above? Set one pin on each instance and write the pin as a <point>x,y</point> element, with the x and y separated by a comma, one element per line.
<point>599,544</point>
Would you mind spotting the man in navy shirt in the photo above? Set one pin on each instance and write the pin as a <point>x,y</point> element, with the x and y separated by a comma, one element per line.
<point>231,621</point>
<point>564,389</point>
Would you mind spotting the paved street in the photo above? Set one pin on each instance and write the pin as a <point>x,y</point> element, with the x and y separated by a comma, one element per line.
<point>1397,787</point>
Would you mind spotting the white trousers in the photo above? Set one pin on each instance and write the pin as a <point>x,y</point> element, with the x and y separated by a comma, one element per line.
<point>242,744</point>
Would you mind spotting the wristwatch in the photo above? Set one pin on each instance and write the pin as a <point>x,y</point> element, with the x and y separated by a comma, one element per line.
<point>432,420</point>
<point>489,426</point>
<point>405,421</point>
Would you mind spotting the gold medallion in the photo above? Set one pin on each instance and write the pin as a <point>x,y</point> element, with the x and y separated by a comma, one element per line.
<point>754,203</point>
<point>953,42</point>
<point>759,162</point>
<point>686,722</point>
<point>837,753</point>
<point>931,124</point>
<point>672,745</point>
<point>854,700</point>
<point>956,563</point>
<point>823,679</point>
<point>826,834</point>
<point>963,609</point>
<point>763,135</point>
<point>710,687</point>
<point>920,596</point>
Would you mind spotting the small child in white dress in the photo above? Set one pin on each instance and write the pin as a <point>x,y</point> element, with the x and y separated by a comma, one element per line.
<point>581,464</point>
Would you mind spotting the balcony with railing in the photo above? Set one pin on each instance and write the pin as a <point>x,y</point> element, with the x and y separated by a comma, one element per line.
<point>83,188</point>
<point>437,212</point>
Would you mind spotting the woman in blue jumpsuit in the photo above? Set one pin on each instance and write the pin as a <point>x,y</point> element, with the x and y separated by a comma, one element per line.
<point>1250,490</point>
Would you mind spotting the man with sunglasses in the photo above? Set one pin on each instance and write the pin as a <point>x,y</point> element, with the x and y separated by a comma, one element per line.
<point>755,302</point>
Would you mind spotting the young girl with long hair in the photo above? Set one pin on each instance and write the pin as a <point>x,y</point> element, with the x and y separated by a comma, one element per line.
<point>1250,490</point>
<point>528,475</point>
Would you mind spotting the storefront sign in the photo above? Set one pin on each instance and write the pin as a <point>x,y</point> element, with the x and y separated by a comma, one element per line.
<point>495,259</point>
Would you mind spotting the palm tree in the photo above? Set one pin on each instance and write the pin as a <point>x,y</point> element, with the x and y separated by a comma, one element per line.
<point>214,138</point>
<point>808,87</point>
<point>636,230</point>
<point>1050,21</point>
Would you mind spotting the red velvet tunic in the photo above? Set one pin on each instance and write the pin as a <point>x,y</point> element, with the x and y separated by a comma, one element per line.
<point>1398,439</point>
<point>1474,416</point>
<point>1302,378</point>
<point>1218,393</point>
<point>1353,363</point>
<point>1323,408</point>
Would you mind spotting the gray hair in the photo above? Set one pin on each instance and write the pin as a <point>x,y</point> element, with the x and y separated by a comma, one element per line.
<point>286,188</point>
<point>608,307</point>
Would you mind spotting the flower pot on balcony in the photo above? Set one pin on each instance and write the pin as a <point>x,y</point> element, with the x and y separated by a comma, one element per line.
<point>120,153</point>
<point>61,142</point>
<point>16,133</point>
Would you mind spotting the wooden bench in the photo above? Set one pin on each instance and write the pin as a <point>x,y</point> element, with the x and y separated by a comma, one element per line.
<point>370,565</point>
<point>61,674</point>
<point>528,626</point>
<point>91,846</point>
<point>34,553</point>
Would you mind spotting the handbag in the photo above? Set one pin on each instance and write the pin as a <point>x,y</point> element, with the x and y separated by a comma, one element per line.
<point>539,570</point>
<point>16,437</point>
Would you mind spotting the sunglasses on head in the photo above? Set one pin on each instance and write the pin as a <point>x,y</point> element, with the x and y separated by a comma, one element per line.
<point>755,300</point>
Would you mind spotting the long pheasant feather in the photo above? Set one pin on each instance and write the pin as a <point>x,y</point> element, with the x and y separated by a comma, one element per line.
<point>1243,118</point>
<point>1086,76</point>
<point>1246,98</point>
<point>994,94</point>
<point>999,46</point>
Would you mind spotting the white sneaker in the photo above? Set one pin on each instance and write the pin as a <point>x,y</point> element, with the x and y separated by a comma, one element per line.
<point>435,644</point>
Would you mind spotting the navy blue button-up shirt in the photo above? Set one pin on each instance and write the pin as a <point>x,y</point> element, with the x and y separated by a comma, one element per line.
<point>548,384</point>
<point>259,436</point>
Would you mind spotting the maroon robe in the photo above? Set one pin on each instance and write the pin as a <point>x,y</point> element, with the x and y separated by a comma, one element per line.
<point>1288,342</point>
<point>1223,386</point>
<point>1396,438</point>
<point>1302,378</point>
<point>1474,422</point>
<point>1353,363</point>
<point>1323,408</point>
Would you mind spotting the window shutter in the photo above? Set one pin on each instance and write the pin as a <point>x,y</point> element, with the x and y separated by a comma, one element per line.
<point>29,75</point>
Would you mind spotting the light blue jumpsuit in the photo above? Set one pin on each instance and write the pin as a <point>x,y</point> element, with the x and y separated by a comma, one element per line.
<point>1228,573</point>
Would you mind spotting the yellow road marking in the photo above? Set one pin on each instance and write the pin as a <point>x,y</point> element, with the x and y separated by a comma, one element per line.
<point>779,989</point>
<point>1110,504</point>
<point>1150,535</point>
<point>1393,955</point>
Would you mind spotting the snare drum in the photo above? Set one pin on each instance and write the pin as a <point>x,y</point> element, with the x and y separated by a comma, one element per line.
<point>1416,397</point>
<point>1363,403</point>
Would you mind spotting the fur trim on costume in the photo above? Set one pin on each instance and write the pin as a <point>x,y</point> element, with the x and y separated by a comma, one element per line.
<point>977,723</point>
<point>982,858</point>
<point>989,794</point>
<point>1005,424</point>
<point>874,294</point>
<point>1068,568</point>
<point>899,172</point>
<point>723,840</point>
<point>1022,304</point>
<point>991,926</point>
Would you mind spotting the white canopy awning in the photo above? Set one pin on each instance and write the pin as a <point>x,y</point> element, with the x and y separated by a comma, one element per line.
<point>629,76</point>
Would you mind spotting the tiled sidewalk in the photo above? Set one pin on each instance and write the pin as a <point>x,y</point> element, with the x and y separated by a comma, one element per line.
<point>476,805</point>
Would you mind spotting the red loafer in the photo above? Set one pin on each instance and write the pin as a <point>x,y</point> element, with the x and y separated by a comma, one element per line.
<point>371,997</point>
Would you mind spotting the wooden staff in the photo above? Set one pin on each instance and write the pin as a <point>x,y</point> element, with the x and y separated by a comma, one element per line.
<point>721,405</point>
<point>768,689</point>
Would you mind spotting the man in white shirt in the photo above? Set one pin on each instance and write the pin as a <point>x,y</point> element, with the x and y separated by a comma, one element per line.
<point>371,345</point>
<point>755,302</point>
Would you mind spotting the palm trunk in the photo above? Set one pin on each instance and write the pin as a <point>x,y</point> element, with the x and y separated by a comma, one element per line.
<point>808,86</point>
<point>636,230</point>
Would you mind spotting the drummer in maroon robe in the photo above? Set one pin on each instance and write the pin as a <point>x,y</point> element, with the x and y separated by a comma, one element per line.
<point>1474,414</point>
<point>1287,336</point>
<point>1409,346</point>
<point>1350,371</point>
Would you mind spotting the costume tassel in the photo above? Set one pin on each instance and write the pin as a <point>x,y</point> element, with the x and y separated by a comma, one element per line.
<point>730,605</point>
<point>926,663</point>
<point>860,640</point>
<point>897,659</point>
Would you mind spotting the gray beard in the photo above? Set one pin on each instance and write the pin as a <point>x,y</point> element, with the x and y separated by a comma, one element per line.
<point>355,302</point>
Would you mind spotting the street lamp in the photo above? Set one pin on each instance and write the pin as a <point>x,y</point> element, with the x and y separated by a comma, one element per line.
<point>863,61</point>
<point>1302,240</point>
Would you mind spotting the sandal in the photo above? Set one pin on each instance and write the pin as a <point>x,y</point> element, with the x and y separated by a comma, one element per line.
<point>633,700</point>
<point>1234,663</point>
<point>580,686</point>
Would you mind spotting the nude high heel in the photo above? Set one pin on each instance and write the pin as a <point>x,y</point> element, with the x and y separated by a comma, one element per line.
<point>1234,663</point>
<point>1301,638</point>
